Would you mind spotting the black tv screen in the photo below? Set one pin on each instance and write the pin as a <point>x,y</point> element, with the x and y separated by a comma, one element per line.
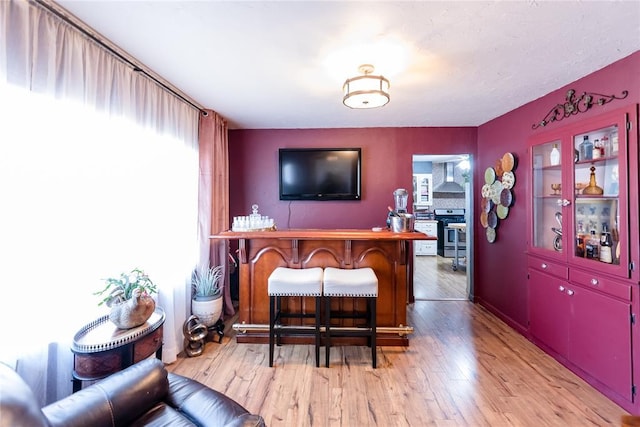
<point>320,173</point>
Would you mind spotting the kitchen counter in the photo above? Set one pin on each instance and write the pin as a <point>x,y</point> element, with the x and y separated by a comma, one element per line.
<point>426,247</point>
<point>458,226</point>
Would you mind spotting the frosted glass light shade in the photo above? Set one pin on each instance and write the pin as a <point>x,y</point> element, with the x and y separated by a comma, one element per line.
<point>366,91</point>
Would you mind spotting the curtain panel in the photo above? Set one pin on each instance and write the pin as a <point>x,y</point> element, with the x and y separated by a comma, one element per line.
<point>103,170</point>
<point>214,195</point>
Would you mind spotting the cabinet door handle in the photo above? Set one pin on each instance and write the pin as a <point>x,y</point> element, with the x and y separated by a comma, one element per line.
<point>563,202</point>
<point>594,282</point>
<point>561,288</point>
<point>544,265</point>
<point>570,292</point>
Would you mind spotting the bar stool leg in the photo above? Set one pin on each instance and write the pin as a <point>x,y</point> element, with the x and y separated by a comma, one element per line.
<point>327,331</point>
<point>318,308</point>
<point>278,320</point>
<point>272,322</point>
<point>373,326</point>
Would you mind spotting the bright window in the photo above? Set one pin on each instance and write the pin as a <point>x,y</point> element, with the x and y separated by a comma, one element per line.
<point>84,196</point>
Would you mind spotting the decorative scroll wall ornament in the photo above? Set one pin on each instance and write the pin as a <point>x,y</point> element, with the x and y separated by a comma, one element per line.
<point>574,105</point>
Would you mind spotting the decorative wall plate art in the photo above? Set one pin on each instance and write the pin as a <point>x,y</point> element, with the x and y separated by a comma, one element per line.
<point>496,190</point>
<point>508,179</point>
<point>484,219</point>
<point>486,188</point>
<point>502,211</point>
<point>498,167</point>
<point>489,175</point>
<point>491,234</point>
<point>506,197</point>
<point>497,194</point>
<point>508,162</point>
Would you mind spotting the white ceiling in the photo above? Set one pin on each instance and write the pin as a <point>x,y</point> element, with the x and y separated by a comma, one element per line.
<point>281,64</point>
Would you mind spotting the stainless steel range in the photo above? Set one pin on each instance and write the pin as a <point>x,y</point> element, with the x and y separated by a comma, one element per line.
<point>446,235</point>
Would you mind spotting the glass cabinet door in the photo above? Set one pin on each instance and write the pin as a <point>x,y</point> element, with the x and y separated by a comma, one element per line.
<point>547,222</point>
<point>599,198</point>
<point>423,191</point>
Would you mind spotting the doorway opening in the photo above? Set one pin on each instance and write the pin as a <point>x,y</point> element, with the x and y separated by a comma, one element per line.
<point>443,205</point>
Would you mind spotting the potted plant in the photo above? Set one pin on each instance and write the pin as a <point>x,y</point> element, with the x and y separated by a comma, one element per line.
<point>129,297</point>
<point>206,286</point>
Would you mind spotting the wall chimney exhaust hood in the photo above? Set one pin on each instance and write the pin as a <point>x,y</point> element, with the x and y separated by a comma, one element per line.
<point>449,185</point>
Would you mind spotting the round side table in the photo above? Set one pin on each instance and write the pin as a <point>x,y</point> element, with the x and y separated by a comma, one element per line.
<point>100,348</point>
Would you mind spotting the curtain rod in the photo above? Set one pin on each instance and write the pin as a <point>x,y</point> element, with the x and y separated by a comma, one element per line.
<point>113,49</point>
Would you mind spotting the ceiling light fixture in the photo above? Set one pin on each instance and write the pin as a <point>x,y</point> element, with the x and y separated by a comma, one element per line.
<point>367,90</point>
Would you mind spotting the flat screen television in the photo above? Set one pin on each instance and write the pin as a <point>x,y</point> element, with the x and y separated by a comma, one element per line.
<point>320,173</point>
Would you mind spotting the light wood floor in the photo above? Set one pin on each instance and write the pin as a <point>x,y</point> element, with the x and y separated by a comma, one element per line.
<point>464,367</point>
<point>435,279</point>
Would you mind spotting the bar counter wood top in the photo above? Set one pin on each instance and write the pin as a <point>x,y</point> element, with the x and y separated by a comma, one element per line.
<point>333,234</point>
<point>388,253</point>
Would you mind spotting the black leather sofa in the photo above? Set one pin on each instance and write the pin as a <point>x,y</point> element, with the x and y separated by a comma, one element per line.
<point>144,394</point>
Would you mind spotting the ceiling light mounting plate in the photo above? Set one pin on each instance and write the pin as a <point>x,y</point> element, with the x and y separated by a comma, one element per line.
<point>366,69</point>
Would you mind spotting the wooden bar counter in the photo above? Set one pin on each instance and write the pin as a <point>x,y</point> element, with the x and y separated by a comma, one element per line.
<point>389,254</point>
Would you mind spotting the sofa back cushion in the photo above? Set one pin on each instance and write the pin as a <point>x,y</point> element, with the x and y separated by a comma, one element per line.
<point>18,404</point>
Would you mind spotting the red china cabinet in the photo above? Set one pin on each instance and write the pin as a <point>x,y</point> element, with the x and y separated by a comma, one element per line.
<point>583,248</point>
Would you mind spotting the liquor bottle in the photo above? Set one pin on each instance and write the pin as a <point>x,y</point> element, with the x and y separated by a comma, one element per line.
<point>606,246</point>
<point>606,146</point>
<point>596,149</point>
<point>554,157</point>
<point>592,247</point>
<point>580,242</point>
<point>614,142</point>
<point>586,149</point>
<point>579,248</point>
<point>615,237</point>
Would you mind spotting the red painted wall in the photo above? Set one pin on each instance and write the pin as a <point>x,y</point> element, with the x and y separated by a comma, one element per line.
<point>500,274</point>
<point>386,165</point>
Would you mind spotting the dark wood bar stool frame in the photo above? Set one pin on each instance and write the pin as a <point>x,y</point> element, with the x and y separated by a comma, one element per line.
<point>277,329</point>
<point>369,330</point>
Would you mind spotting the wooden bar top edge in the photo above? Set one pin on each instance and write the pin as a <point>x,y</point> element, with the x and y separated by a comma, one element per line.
<point>324,234</point>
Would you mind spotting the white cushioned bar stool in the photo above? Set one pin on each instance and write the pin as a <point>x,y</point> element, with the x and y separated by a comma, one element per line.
<point>294,282</point>
<point>357,282</point>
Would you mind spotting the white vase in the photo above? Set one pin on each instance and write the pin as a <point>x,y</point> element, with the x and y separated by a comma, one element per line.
<point>208,311</point>
<point>554,157</point>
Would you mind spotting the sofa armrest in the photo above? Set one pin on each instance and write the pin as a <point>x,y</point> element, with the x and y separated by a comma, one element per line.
<point>208,407</point>
<point>117,400</point>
